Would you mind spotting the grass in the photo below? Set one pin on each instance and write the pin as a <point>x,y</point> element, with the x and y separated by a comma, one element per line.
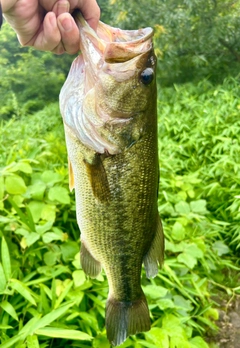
<point>46,300</point>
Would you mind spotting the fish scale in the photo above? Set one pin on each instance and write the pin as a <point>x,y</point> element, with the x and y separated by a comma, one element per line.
<point>116,193</point>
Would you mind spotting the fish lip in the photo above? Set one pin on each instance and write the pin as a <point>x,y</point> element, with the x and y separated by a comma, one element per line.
<point>112,44</point>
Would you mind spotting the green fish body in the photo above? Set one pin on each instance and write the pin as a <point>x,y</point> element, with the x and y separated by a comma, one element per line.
<point>108,104</point>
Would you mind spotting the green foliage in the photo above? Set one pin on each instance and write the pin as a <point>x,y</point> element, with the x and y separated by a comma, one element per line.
<point>46,299</point>
<point>29,78</point>
<point>193,38</point>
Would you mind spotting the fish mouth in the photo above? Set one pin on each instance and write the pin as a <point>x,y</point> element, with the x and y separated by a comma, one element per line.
<point>108,57</point>
<point>112,44</point>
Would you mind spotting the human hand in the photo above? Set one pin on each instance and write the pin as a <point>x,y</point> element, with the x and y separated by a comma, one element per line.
<point>47,25</point>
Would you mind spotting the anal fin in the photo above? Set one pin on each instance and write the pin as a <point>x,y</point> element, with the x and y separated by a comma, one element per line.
<point>91,267</point>
<point>155,254</point>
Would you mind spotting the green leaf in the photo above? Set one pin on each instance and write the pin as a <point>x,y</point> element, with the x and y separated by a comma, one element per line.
<point>172,325</point>
<point>48,212</point>
<point>7,307</point>
<point>50,177</point>
<point>178,231</point>
<point>41,229</point>
<point>22,167</point>
<point>12,341</point>
<point>165,303</point>
<point>198,342</point>
<point>101,341</point>
<point>193,250</point>
<point>187,259</point>
<point>64,293</point>
<point>15,185</point>
<point>3,281</point>
<point>79,278</point>
<point>59,194</point>
<point>199,206</point>
<point>32,341</point>
<point>37,190</point>
<point>50,258</point>
<point>6,260</point>
<point>31,238</point>
<point>50,317</point>
<point>1,188</point>
<point>36,208</point>
<point>182,208</point>
<point>154,291</point>
<point>5,327</point>
<point>157,336</point>
<point>182,303</point>
<point>48,237</point>
<point>23,290</point>
<point>56,332</point>
<point>69,249</point>
<point>220,248</point>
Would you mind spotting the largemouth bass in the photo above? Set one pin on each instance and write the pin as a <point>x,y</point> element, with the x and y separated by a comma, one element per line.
<point>108,105</point>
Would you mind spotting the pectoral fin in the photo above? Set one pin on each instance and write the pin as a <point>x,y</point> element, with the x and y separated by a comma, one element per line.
<point>155,254</point>
<point>98,178</point>
<point>71,176</point>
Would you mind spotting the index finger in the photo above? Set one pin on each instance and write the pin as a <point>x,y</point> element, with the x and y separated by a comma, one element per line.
<point>89,8</point>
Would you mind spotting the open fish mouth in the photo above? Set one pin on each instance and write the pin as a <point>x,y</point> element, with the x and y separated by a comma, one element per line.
<point>102,88</point>
<point>113,44</point>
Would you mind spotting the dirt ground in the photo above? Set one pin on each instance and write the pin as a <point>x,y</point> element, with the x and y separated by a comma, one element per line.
<point>229,327</point>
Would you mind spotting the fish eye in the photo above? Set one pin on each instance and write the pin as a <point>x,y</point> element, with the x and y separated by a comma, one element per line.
<point>147,76</point>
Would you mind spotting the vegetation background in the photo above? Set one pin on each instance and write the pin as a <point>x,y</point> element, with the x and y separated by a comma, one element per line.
<point>45,298</point>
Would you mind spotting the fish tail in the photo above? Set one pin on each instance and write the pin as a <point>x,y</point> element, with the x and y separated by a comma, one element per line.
<point>126,318</point>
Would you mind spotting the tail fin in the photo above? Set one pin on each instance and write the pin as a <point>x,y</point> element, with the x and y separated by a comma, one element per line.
<point>126,318</point>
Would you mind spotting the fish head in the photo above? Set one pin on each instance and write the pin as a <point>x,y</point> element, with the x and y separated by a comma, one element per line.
<point>120,66</point>
<point>112,81</point>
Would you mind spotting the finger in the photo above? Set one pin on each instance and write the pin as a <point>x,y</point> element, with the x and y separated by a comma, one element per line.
<point>61,6</point>
<point>69,33</point>
<point>90,11</point>
<point>7,4</point>
<point>1,17</point>
<point>49,36</point>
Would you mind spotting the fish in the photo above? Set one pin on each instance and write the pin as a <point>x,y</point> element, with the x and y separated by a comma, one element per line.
<point>109,109</point>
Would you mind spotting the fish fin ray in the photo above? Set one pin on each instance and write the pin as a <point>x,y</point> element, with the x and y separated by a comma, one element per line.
<point>155,254</point>
<point>91,266</point>
<point>71,176</point>
<point>98,178</point>
<point>126,318</point>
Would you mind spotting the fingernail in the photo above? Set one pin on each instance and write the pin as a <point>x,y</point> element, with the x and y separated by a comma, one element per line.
<point>66,24</point>
<point>62,7</point>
